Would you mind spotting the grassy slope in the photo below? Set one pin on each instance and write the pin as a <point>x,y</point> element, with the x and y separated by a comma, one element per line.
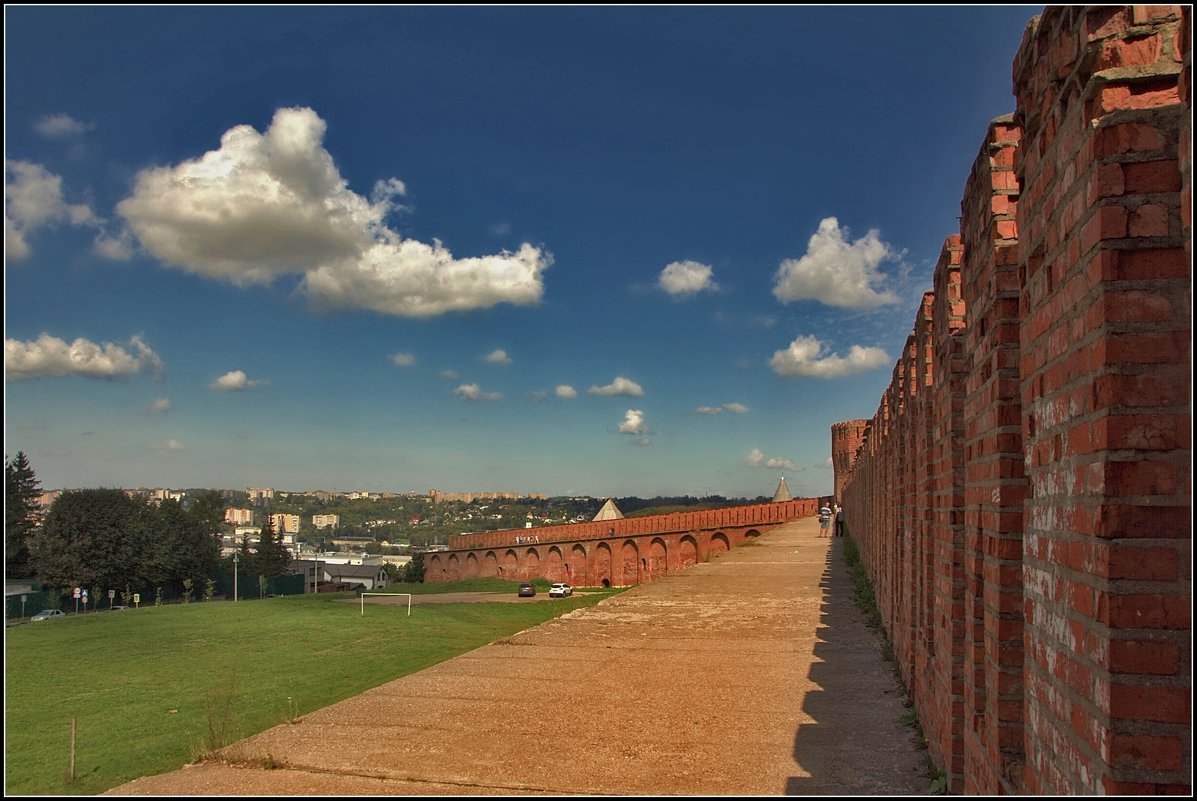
<point>147,686</point>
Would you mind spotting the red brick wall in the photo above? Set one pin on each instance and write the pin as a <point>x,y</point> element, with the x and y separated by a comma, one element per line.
<point>1022,498</point>
<point>845,442</point>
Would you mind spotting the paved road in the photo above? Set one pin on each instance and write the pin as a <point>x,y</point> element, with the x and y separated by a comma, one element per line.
<point>753,674</point>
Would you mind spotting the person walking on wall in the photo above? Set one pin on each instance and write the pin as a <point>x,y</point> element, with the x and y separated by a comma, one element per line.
<point>824,520</point>
<point>839,520</point>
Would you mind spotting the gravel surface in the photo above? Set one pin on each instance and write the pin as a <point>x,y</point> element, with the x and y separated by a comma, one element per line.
<point>753,674</point>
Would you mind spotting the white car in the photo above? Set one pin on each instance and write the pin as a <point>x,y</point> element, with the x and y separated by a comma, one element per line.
<point>560,591</point>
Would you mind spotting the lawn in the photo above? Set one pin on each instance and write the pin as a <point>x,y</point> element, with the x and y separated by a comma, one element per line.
<point>154,688</point>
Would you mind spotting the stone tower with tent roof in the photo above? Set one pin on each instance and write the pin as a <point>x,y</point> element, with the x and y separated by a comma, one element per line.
<point>783,492</point>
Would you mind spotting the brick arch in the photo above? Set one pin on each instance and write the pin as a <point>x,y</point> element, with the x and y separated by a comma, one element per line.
<point>751,534</point>
<point>629,563</point>
<point>658,558</point>
<point>530,568</point>
<point>490,565</point>
<point>687,552</point>
<point>554,566</point>
<point>602,566</point>
<point>717,545</point>
<point>454,567</point>
<point>471,566</point>
<point>434,569</point>
<point>509,567</point>
<point>576,566</point>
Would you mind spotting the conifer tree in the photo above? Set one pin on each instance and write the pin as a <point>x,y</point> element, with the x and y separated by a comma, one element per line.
<point>22,515</point>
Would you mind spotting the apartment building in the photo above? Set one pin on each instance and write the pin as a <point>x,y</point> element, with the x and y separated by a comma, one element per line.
<point>285,524</point>
<point>239,517</point>
<point>326,521</point>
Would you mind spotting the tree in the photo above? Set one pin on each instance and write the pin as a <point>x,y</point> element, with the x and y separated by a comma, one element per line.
<point>184,549</point>
<point>96,538</point>
<point>413,571</point>
<point>22,513</point>
<point>208,511</point>
<point>271,558</point>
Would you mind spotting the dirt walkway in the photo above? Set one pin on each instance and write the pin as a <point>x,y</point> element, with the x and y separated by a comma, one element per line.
<point>750,675</point>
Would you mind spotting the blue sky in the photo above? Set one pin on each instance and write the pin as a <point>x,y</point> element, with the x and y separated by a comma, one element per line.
<point>575,250</point>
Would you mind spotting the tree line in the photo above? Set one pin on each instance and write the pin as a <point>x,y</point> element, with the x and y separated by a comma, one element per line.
<point>107,539</point>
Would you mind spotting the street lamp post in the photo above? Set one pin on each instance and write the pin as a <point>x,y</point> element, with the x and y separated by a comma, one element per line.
<point>235,556</point>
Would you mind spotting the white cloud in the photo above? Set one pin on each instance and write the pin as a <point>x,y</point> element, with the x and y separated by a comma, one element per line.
<point>274,203</point>
<point>33,199</point>
<point>235,381</point>
<point>498,356</point>
<point>170,446</point>
<point>472,392</point>
<point>757,459</point>
<point>837,272</point>
<point>51,356</point>
<point>448,375</point>
<point>736,408</point>
<point>117,247</point>
<point>160,406</point>
<point>620,386</point>
<point>686,278</point>
<point>807,356</point>
<point>633,423</point>
<point>708,410</point>
<point>403,359</point>
<point>60,126</point>
<point>565,392</point>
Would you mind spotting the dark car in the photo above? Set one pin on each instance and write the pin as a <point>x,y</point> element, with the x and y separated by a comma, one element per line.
<point>527,590</point>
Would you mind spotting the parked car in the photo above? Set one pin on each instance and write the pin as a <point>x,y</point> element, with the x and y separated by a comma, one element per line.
<point>527,590</point>
<point>560,590</point>
<point>48,614</point>
<point>118,608</point>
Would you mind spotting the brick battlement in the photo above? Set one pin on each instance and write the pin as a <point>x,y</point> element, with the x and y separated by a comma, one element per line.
<point>1022,497</point>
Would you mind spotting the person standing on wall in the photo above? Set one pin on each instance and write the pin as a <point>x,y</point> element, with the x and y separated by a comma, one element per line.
<point>839,520</point>
<point>824,520</point>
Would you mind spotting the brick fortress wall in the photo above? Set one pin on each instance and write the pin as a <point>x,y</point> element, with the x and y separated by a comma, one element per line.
<point>1022,497</point>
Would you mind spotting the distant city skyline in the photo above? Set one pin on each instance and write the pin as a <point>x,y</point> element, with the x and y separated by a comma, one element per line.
<point>632,251</point>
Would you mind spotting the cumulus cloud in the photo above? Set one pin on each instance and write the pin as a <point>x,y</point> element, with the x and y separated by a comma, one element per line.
<point>757,459</point>
<point>837,272</point>
<point>498,356</point>
<point>736,408</point>
<point>33,199</point>
<point>51,356</point>
<point>808,357</point>
<point>170,446</point>
<point>235,381</point>
<point>160,406</point>
<point>403,359</point>
<point>708,410</point>
<point>681,278</point>
<point>620,386</point>
<point>61,126</point>
<point>565,392</point>
<point>633,423</point>
<point>268,204</point>
<point>472,393</point>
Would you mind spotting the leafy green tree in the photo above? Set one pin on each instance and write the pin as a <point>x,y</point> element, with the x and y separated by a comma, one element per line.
<point>184,548</point>
<point>208,511</point>
<point>96,537</point>
<point>413,571</point>
<point>22,513</point>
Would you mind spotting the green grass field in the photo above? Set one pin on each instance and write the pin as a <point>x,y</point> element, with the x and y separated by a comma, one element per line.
<point>154,688</point>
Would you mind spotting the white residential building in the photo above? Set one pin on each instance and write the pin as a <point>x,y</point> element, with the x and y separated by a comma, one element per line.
<point>326,521</point>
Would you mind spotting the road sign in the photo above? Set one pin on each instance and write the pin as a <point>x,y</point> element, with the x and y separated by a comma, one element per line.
<point>85,596</point>
<point>136,597</point>
<point>111,594</point>
<point>76,592</point>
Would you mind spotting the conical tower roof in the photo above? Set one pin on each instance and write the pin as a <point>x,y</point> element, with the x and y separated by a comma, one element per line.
<point>609,511</point>
<point>783,492</point>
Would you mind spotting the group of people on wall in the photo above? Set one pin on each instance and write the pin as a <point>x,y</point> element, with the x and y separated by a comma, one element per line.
<point>827,514</point>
